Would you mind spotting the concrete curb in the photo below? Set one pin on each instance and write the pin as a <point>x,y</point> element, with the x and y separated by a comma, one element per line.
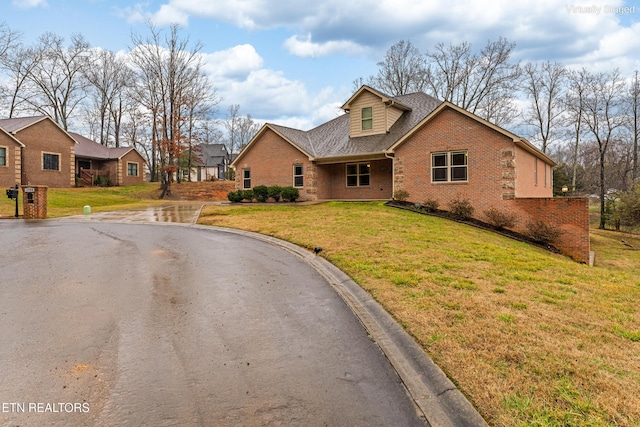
<point>442,404</point>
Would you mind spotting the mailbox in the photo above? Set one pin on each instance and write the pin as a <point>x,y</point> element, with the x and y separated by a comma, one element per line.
<point>12,193</point>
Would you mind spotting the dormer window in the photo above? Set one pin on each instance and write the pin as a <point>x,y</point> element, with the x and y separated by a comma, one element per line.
<point>367,118</point>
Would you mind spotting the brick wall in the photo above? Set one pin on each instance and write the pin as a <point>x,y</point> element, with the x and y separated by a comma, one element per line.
<point>271,162</point>
<point>491,162</point>
<point>133,157</point>
<point>34,201</point>
<point>570,214</point>
<point>10,173</point>
<point>47,137</point>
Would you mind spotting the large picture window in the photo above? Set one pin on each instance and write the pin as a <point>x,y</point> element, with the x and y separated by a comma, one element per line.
<point>298,176</point>
<point>3,156</point>
<point>358,174</point>
<point>367,118</point>
<point>246,178</point>
<point>449,166</point>
<point>51,161</point>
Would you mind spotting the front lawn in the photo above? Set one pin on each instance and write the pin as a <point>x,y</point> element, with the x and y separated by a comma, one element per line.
<point>531,338</point>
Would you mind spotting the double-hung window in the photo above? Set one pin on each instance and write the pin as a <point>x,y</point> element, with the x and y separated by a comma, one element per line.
<point>246,178</point>
<point>449,166</point>
<point>3,156</point>
<point>298,176</point>
<point>51,161</point>
<point>358,174</point>
<point>367,118</point>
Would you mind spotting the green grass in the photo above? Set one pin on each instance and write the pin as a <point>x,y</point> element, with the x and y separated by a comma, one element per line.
<point>532,338</point>
<point>70,201</point>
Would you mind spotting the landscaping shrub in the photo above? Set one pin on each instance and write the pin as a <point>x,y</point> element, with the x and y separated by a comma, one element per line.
<point>274,192</point>
<point>261,192</point>
<point>400,195</point>
<point>290,194</point>
<point>461,208</point>
<point>542,232</point>
<point>246,195</point>
<point>430,205</point>
<point>500,219</point>
<point>234,196</point>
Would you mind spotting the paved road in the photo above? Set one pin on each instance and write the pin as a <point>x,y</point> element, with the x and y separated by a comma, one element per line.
<point>131,324</point>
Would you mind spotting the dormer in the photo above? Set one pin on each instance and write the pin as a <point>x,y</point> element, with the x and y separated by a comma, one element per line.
<point>372,112</point>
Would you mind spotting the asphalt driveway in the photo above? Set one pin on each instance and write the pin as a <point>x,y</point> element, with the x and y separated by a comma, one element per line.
<point>129,324</point>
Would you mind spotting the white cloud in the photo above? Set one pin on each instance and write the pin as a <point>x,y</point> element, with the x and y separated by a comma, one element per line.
<point>305,48</point>
<point>29,4</point>
<point>236,62</point>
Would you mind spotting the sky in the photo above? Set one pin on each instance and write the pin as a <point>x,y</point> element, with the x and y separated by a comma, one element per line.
<point>293,62</point>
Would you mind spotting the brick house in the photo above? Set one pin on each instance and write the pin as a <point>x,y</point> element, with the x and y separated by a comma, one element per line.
<point>47,152</point>
<point>122,166</point>
<point>432,149</point>
<point>10,159</point>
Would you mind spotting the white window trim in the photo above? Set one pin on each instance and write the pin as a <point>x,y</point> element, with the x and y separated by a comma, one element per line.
<point>245,180</point>
<point>449,166</point>
<point>301,175</point>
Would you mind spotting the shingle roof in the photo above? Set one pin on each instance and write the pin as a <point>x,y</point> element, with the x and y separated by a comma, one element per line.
<point>211,154</point>
<point>92,150</point>
<point>332,139</point>
<point>16,124</point>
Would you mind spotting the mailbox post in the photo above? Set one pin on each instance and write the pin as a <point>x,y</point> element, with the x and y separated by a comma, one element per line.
<point>12,193</point>
<point>34,201</point>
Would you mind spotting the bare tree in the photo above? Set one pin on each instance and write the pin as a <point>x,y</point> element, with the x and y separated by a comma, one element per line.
<point>9,39</point>
<point>544,86</point>
<point>18,68</point>
<point>167,67</point>
<point>239,129</point>
<point>402,70</point>
<point>109,77</point>
<point>602,116</point>
<point>634,125</point>
<point>483,83</point>
<point>55,85</point>
<point>574,106</point>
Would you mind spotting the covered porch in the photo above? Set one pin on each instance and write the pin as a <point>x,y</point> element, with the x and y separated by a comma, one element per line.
<point>354,179</point>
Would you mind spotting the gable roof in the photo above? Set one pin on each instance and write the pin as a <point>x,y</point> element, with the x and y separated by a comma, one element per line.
<point>17,124</point>
<point>211,154</point>
<point>90,149</point>
<point>13,138</point>
<point>330,142</point>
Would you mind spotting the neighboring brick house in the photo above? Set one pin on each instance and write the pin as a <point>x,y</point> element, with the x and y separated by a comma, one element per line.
<point>122,166</point>
<point>10,159</point>
<point>47,152</point>
<point>432,149</point>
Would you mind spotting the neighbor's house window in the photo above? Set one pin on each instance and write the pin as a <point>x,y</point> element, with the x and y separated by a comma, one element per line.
<point>3,156</point>
<point>449,167</point>
<point>298,176</point>
<point>358,174</point>
<point>246,178</point>
<point>132,169</point>
<point>367,118</point>
<point>51,161</point>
